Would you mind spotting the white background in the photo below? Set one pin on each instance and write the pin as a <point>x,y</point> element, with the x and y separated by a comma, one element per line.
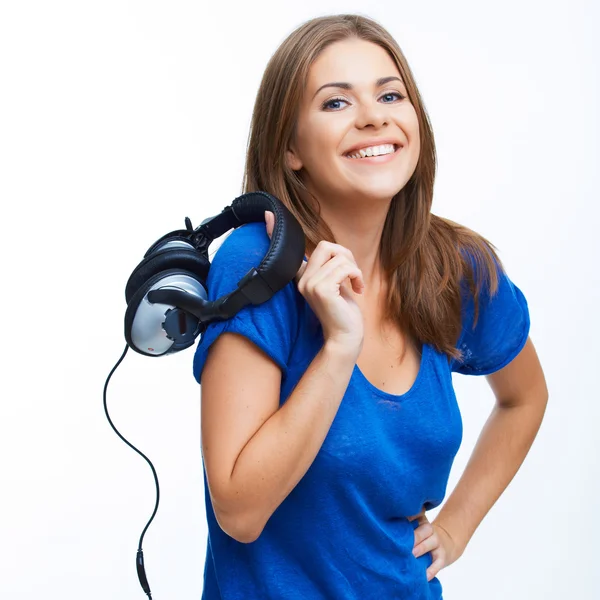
<point>120,118</point>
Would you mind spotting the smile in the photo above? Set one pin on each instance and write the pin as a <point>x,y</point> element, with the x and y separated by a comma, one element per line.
<point>374,160</point>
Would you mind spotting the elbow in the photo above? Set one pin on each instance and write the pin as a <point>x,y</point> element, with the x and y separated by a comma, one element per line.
<point>247,538</point>
<point>239,527</point>
<point>235,515</point>
<point>241,533</point>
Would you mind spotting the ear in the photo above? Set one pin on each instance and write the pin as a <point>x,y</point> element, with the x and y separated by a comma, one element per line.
<point>292,160</point>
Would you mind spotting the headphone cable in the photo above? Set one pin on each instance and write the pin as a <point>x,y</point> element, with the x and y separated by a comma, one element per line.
<point>139,563</point>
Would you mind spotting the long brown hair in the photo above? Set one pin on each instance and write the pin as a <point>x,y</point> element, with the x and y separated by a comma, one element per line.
<point>422,254</point>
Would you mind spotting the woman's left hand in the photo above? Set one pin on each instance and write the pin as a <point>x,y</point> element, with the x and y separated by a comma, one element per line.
<point>432,537</point>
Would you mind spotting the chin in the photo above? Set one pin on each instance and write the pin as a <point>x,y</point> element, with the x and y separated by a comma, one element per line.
<point>377,183</point>
<point>383,193</point>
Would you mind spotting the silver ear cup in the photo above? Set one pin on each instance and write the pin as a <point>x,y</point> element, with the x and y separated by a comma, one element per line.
<point>174,244</point>
<point>147,331</point>
<point>164,244</point>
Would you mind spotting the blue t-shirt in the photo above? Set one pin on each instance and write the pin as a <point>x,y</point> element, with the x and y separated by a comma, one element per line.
<point>343,532</point>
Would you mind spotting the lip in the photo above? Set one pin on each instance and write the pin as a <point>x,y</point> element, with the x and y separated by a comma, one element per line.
<point>376,142</point>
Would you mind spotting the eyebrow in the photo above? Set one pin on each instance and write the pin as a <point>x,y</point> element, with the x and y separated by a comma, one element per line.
<point>348,86</point>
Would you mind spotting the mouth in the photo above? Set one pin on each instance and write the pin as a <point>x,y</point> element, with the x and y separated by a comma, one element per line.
<point>375,159</point>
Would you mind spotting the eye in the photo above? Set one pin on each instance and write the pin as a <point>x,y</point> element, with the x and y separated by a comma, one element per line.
<point>394,94</point>
<point>331,100</point>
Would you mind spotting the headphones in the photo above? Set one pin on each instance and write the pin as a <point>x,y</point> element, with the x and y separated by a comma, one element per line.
<point>166,294</point>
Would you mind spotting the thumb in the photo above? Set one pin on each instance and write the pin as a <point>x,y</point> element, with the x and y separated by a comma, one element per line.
<point>270,222</point>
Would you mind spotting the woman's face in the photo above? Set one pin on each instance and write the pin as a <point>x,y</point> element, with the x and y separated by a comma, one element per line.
<point>333,120</point>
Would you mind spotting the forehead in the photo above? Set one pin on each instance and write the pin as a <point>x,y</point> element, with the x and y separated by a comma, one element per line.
<point>357,62</point>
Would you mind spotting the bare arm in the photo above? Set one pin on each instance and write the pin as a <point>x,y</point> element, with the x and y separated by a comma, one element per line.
<point>521,398</point>
<point>246,491</point>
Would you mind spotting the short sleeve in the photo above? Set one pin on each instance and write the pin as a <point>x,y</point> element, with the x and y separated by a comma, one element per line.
<point>501,330</point>
<point>272,325</point>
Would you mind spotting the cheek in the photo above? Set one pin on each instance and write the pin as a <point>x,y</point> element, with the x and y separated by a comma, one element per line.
<point>413,127</point>
<point>325,131</point>
<point>410,126</point>
<point>416,136</point>
<point>319,150</point>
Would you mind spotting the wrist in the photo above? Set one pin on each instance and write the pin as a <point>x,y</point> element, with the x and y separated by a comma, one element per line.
<point>341,351</point>
<point>459,543</point>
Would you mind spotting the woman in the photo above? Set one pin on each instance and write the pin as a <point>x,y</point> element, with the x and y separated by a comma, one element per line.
<point>329,420</point>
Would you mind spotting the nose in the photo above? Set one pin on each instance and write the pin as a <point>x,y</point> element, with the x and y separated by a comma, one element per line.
<point>372,113</point>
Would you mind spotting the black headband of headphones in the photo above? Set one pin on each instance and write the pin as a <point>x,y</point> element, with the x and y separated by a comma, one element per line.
<point>167,306</point>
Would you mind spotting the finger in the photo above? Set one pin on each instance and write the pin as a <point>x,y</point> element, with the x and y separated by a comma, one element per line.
<point>323,254</point>
<point>427,545</point>
<point>338,270</point>
<point>325,251</point>
<point>417,515</point>
<point>334,278</point>
<point>270,222</point>
<point>423,531</point>
<point>354,279</point>
<point>301,271</point>
<point>436,566</point>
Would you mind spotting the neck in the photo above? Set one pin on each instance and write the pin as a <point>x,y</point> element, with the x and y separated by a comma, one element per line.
<point>360,231</point>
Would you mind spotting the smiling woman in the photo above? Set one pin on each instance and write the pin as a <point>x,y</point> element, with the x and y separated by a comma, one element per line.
<point>322,458</point>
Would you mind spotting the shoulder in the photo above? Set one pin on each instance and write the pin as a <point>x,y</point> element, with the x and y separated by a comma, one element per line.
<point>495,314</point>
<point>272,325</point>
<point>241,249</point>
<point>244,248</point>
<point>242,245</point>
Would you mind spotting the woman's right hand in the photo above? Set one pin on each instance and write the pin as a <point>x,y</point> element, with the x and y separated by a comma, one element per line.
<point>328,282</point>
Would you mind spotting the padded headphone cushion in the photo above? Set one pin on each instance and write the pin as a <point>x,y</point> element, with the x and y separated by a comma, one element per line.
<point>135,301</point>
<point>171,258</point>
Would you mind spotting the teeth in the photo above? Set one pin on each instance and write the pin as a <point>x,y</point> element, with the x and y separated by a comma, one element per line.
<point>373,151</point>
